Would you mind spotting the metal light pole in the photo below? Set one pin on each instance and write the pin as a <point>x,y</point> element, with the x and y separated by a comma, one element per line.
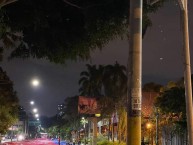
<point>59,136</point>
<point>149,126</point>
<point>11,133</point>
<point>84,122</point>
<point>58,120</point>
<point>187,70</point>
<point>134,74</point>
<point>157,128</point>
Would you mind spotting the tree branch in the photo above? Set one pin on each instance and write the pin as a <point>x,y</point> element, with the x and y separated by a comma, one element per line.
<point>74,5</point>
<point>6,2</point>
<point>71,4</point>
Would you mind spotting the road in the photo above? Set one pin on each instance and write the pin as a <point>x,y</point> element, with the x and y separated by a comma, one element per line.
<point>35,142</point>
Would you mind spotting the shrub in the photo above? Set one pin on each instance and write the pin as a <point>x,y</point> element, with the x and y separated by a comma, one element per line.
<point>105,142</point>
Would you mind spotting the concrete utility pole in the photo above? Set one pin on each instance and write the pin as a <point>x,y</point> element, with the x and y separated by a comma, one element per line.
<point>187,70</point>
<point>157,127</point>
<point>134,74</point>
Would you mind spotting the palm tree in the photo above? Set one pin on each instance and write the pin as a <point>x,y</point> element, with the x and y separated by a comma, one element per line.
<point>115,90</point>
<point>115,80</point>
<point>91,81</point>
<point>109,83</point>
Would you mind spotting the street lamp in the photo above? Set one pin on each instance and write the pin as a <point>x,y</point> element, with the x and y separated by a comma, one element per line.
<point>35,110</point>
<point>149,126</point>
<point>36,115</point>
<point>35,82</point>
<point>98,115</point>
<point>84,122</point>
<point>157,127</point>
<point>32,102</point>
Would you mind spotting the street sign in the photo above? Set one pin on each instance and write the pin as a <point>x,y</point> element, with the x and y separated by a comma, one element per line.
<point>87,105</point>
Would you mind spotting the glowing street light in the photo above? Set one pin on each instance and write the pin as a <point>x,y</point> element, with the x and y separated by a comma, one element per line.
<point>35,82</point>
<point>36,115</point>
<point>98,115</point>
<point>84,121</point>
<point>35,110</point>
<point>32,102</point>
<point>148,125</point>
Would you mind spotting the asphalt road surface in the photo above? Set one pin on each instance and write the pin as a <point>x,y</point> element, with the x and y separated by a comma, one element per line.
<point>34,142</point>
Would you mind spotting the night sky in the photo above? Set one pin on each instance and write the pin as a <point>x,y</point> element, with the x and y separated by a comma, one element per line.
<point>162,62</point>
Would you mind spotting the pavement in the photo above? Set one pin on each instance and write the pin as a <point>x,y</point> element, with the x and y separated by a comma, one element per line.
<point>39,141</point>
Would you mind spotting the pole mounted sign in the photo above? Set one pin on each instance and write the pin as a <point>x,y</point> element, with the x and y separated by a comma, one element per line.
<point>87,105</point>
<point>136,100</point>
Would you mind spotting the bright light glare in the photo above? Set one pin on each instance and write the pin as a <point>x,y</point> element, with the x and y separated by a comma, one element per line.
<point>38,119</point>
<point>35,110</point>
<point>97,115</point>
<point>32,102</point>
<point>36,115</point>
<point>35,82</point>
<point>148,125</point>
<point>20,137</point>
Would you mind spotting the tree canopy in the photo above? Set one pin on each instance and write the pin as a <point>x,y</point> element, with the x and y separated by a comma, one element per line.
<point>107,84</point>
<point>172,101</point>
<point>172,106</point>
<point>151,87</point>
<point>59,30</point>
<point>8,104</point>
<point>91,81</point>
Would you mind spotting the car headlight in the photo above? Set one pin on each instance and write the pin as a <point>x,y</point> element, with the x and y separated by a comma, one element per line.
<point>20,137</point>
